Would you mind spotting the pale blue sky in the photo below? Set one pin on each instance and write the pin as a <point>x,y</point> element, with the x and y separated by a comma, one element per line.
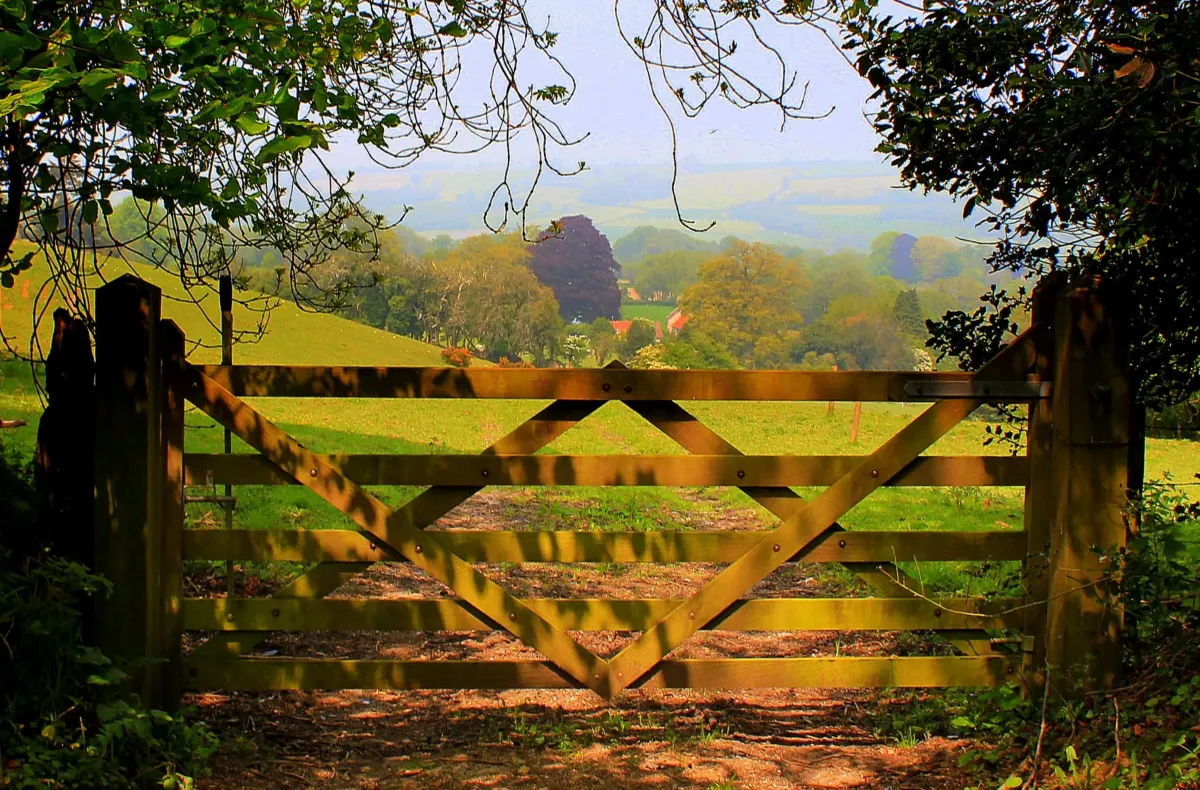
<point>614,105</point>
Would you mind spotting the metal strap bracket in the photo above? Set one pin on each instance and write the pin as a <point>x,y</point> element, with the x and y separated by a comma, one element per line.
<point>1000,390</point>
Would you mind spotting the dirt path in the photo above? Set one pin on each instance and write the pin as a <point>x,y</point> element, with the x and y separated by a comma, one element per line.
<point>568,740</point>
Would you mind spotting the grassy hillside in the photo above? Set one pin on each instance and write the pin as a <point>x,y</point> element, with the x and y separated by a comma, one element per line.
<point>292,336</point>
<point>651,312</point>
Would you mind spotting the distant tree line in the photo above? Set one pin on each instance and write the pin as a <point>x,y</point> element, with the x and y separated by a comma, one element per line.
<point>552,300</point>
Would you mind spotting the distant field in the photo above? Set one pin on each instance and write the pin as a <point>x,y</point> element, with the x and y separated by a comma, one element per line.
<point>651,312</point>
<point>292,336</point>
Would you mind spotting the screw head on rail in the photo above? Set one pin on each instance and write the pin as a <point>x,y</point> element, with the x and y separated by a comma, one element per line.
<point>741,474</point>
<point>484,473</point>
<point>274,612</point>
<point>606,386</point>
<point>229,617</point>
<point>691,615</point>
<point>775,547</point>
<point>841,544</point>
<point>620,676</point>
<point>628,388</point>
<point>512,616</point>
<point>874,473</point>
<point>937,612</point>
<point>312,472</point>
<point>418,549</point>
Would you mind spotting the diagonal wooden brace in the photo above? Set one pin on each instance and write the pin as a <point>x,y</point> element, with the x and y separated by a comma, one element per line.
<point>394,531</point>
<point>796,532</point>
<point>694,436</point>
<point>425,508</point>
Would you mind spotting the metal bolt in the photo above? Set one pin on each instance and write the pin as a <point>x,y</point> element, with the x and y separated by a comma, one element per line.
<point>628,389</point>
<point>1010,669</point>
<point>691,615</point>
<point>775,547</point>
<point>418,549</point>
<point>229,617</point>
<point>606,386</point>
<point>597,677</point>
<point>841,544</point>
<point>484,473</point>
<point>620,676</point>
<point>874,473</point>
<point>274,612</point>
<point>937,612</point>
<point>512,616</point>
<point>741,474</point>
<point>312,472</point>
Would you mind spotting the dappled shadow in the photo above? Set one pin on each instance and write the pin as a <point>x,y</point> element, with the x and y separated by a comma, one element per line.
<point>567,740</point>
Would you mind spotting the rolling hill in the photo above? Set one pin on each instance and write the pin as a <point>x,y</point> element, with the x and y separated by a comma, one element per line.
<point>291,334</point>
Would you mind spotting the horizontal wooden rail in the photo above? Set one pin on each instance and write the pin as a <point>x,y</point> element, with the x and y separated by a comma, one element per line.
<point>610,470</point>
<point>264,674</point>
<point>445,614</point>
<point>589,384</point>
<point>337,545</point>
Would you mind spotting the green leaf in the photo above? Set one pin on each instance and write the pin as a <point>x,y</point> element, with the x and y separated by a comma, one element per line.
<point>453,29</point>
<point>10,45</point>
<point>962,721</point>
<point>203,26</point>
<point>1013,781</point>
<point>50,221</point>
<point>91,210</point>
<point>251,125</point>
<point>123,48</point>
<point>175,42</point>
<point>7,280</point>
<point>97,82</point>
<point>283,145</point>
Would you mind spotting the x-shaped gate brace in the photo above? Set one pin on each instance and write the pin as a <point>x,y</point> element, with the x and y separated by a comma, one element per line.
<point>400,534</point>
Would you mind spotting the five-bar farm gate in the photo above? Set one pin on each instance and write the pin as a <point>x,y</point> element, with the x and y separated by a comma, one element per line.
<point>1069,369</point>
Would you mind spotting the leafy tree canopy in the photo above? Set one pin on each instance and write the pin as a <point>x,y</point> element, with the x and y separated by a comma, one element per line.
<point>1072,126</point>
<point>576,262</point>
<point>744,295</point>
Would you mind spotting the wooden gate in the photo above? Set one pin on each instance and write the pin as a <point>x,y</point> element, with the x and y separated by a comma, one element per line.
<point>1070,368</point>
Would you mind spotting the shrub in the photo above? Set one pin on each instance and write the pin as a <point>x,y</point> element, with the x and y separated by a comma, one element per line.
<point>457,357</point>
<point>505,362</point>
<point>65,722</point>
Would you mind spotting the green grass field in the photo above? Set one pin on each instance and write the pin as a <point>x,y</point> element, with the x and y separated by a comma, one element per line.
<point>469,426</point>
<point>651,312</point>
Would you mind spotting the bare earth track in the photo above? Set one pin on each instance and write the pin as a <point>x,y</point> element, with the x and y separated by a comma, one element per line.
<point>566,740</point>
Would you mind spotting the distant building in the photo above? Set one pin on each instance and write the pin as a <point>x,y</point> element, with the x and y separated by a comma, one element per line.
<point>675,321</point>
<point>621,327</point>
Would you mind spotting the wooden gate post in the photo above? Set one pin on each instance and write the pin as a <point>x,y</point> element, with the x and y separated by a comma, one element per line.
<point>1039,491</point>
<point>1092,406</point>
<point>129,464</point>
<point>171,341</point>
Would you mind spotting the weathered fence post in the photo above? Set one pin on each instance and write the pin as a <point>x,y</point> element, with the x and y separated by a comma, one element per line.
<point>1039,491</point>
<point>1091,414</point>
<point>129,467</point>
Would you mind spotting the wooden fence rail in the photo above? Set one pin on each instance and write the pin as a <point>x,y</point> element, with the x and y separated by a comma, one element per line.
<point>1070,367</point>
